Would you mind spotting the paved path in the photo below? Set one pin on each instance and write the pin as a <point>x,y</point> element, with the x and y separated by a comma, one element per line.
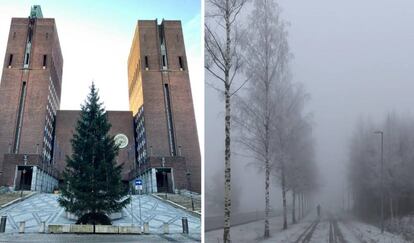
<point>63,238</point>
<point>44,207</point>
<point>331,229</point>
<point>311,229</point>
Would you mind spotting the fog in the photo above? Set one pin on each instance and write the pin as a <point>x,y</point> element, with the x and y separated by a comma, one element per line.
<point>355,59</point>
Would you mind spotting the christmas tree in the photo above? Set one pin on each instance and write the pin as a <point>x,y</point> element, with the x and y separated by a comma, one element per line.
<point>92,179</point>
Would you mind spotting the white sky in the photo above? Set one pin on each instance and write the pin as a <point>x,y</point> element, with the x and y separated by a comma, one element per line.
<point>95,38</point>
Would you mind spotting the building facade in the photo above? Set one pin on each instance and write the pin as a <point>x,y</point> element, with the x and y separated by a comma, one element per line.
<point>167,148</point>
<point>158,134</point>
<point>30,91</point>
<point>122,124</point>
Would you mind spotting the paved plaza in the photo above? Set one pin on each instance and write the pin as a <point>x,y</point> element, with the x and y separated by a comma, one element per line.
<point>44,207</point>
<point>66,238</point>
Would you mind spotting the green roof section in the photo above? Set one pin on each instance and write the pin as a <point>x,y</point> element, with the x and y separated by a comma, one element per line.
<point>36,12</point>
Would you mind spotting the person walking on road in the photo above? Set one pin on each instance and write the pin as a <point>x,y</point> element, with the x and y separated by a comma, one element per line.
<point>318,210</point>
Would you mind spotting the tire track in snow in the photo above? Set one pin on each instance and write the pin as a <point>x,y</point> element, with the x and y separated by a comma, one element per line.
<point>351,235</point>
<point>307,234</point>
<point>335,234</point>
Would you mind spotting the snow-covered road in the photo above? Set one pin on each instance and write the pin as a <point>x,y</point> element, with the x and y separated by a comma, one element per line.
<point>329,229</point>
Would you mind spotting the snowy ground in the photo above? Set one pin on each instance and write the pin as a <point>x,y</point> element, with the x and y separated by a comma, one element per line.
<point>44,207</point>
<point>403,226</point>
<point>328,229</point>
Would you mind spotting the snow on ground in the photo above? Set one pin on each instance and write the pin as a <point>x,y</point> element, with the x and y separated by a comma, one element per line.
<point>253,232</point>
<point>352,231</point>
<point>321,233</point>
<point>347,233</point>
<point>402,226</point>
<point>369,233</point>
<point>250,232</point>
<point>293,232</point>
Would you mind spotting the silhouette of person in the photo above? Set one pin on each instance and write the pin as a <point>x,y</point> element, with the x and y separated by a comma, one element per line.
<point>318,209</point>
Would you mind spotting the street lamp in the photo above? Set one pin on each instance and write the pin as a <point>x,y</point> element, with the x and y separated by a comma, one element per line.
<point>165,181</point>
<point>189,188</point>
<point>382,179</point>
<point>21,188</point>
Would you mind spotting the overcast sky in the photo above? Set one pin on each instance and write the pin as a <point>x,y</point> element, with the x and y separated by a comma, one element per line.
<point>96,36</point>
<point>356,59</point>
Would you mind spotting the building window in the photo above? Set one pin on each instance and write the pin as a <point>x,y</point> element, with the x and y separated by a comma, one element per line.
<point>170,126</point>
<point>44,61</point>
<point>10,60</point>
<point>27,59</point>
<point>146,63</point>
<point>164,61</point>
<point>180,61</point>
<point>20,117</point>
<point>30,35</point>
<point>47,36</point>
<point>14,35</point>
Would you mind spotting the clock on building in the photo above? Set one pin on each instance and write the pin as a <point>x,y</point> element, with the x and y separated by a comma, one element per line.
<point>121,140</point>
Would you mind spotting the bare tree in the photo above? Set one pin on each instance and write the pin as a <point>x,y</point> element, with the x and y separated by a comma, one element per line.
<point>223,62</point>
<point>289,106</point>
<point>265,57</point>
<point>301,169</point>
<point>365,168</point>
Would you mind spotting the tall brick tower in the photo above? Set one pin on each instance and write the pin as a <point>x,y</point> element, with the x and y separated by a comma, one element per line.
<point>167,147</point>
<point>30,91</point>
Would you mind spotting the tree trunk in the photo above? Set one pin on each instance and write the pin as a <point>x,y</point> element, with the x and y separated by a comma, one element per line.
<point>227,169</point>
<point>293,207</point>
<point>299,207</point>
<point>227,172</point>
<point>391,209</point>
<point>284,197</point>
<point>303,210</point>
<point>306,203</point>
<point>267,206</point>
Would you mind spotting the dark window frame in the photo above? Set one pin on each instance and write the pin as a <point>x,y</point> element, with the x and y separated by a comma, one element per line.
<point>10,60</point>
<point>44,61</point>
<point>181,63</point>
<point>146,62</point>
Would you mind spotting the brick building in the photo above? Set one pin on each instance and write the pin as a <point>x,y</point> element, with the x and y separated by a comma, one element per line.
<point>160,143</point>
<point>122,123</point>
<point>30,91</point>
<point>168,152</point>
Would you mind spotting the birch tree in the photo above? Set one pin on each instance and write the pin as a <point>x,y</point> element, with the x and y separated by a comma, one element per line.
<point>289,108</point>
<point>265,57</point>
<point>223,62</point>
<point>301,169</point>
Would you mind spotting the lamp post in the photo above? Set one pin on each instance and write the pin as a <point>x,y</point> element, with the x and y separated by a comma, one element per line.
<point>189,189</point>
<point>165,180</point>
<point>382,179</point>
<point>21,187</point>
<point>132,212</point>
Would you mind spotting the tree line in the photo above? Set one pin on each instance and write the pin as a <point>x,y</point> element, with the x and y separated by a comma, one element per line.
<point>365,172</point>
<point>265,106</point>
